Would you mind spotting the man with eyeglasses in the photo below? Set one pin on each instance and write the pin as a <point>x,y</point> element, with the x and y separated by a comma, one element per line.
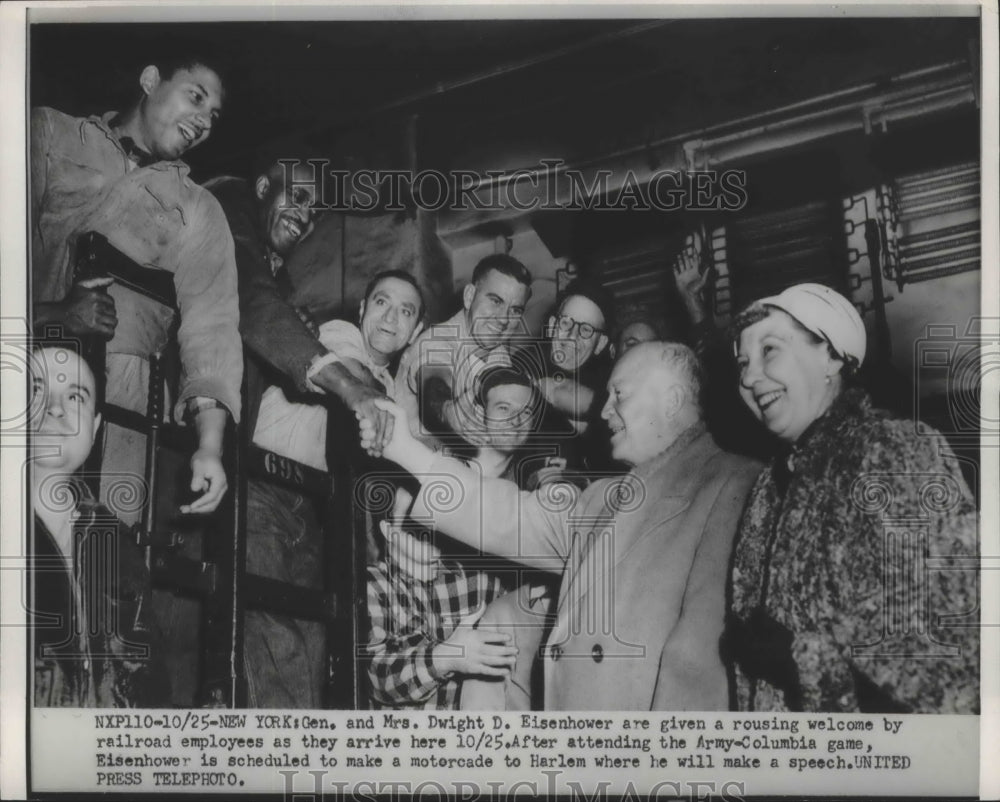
<point>577,370</point>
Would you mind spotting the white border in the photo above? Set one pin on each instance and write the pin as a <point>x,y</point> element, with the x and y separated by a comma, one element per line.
<point>989,772</point>
<point>13,17</point>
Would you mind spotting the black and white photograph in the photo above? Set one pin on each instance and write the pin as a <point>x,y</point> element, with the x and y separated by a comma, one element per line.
<point>597,400</point>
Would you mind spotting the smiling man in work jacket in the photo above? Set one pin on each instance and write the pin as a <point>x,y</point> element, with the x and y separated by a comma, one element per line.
<point>643,557</point>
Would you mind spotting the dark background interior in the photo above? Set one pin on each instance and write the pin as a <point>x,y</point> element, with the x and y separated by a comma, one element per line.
<point>586,81</point>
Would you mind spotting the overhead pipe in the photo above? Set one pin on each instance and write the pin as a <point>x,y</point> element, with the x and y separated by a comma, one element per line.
<point>857,108</point>
<point>874,112</point>
<point>940,174</point>
<point>798,109</point>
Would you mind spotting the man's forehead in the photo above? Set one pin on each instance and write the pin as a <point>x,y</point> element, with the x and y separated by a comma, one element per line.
<point>292,176</point>
<point>199,74</point>
<point>397,289</point>
<point>637,328</point>
<point>501,283</point>
<point>638,362</point>
<point>303,175</point>
<point>582,309</point>
<point>508,392</point>
<point>58,366</point>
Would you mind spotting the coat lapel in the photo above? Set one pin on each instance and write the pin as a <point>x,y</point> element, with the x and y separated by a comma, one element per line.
<point>618,514</point>
<point>586,530</point>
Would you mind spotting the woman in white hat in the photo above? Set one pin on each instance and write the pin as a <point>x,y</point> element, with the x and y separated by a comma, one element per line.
<point>856,542</point>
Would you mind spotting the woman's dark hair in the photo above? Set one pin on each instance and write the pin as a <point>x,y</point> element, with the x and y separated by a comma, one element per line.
<point>750,316</point>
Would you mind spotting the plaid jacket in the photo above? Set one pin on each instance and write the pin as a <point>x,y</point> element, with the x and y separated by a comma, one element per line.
<point>408,618</point>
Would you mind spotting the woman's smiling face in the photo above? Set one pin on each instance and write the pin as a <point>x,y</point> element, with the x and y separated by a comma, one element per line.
<point>786,376</point>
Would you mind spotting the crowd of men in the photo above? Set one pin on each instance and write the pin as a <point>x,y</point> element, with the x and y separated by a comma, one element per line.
<point>599,410</point>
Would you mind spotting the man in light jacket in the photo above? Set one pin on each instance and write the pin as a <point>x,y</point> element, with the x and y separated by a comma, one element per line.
<point>643,557</point>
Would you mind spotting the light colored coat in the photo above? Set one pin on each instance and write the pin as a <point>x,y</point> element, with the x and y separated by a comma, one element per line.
<point>643,560</point>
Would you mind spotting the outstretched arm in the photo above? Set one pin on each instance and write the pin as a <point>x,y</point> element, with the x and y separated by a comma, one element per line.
<point>207,474</point>
<point>358,389</point>
<point>440,413</point>
<point>271,327</point>
<point>492,515</point>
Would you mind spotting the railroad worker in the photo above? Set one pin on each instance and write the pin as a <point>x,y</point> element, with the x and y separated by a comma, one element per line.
<point>291,364</point>
<point>120,175</point>
<point>437,378</point>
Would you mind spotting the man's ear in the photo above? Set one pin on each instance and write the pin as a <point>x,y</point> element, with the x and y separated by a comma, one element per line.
<point>467,295</point>
<point>149,79</point>
<point>262,186</point>
<point>416,332</point>
<point>673,400</point>
<point>96,429</point>
<point>361,312</point>
<point>602,343</point>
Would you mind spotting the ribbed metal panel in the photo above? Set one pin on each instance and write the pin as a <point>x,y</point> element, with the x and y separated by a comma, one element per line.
<point>640,275</point>
<point>765,253</point>
<point>931,224</point>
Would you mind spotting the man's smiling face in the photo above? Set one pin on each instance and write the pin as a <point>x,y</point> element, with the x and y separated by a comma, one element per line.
<point>287,197</point>
<point>64,417</point>
<point>494,307</point>
<point>508,415</point>
<point>178,112</point>
<point>390,318</point>
<point>636,410</point>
